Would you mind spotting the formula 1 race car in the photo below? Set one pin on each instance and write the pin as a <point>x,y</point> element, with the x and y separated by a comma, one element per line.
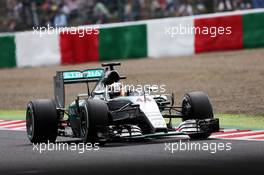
<point>105,113</point>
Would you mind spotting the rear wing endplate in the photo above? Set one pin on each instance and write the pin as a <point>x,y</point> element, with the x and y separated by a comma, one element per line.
<point>63,78</point>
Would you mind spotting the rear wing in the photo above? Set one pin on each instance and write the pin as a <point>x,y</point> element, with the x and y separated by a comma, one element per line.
<point>63,78</point>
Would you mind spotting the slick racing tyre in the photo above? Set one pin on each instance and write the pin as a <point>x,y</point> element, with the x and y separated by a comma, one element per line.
<point>41,121</point>
<point>196,105</point>
<point>94,121</point>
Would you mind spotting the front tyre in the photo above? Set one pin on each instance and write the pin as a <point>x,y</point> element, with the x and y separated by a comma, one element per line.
<point>94,121</point>
<point>196,105</point>
<point>41,121</point>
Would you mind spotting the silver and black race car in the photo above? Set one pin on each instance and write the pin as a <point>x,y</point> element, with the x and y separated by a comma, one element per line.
<point>103,114</point>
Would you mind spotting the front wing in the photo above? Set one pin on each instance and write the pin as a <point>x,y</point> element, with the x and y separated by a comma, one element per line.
<point>185,128</point>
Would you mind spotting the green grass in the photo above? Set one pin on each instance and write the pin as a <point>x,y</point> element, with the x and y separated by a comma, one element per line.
<point>241,121</point>
<point>12,114</point>
<point>237,121</point>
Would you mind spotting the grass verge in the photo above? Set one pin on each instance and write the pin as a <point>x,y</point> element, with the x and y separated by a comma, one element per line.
<point>12,114</point>
<point>237,121</point>
<point>241,121</point>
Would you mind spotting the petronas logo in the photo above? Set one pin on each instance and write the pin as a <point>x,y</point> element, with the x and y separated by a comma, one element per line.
<point>93,73</point>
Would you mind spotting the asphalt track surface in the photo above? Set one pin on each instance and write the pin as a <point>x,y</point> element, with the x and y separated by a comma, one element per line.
<point>143,157</point>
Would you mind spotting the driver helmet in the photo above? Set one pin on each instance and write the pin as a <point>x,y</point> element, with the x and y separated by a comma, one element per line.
<point>116,90</point>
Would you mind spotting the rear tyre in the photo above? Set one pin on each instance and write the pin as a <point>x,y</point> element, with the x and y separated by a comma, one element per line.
<point>94,121</point>
<point>41,121</point>
<point>196,105</point>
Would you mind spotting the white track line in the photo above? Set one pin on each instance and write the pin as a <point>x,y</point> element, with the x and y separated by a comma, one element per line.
<point>236,134</point>
<point>19,128</point>
<point>226,130</point>
<point>252,137</point>
<point>22,127</point>
<point>240,138</point>
<point>16,124</point>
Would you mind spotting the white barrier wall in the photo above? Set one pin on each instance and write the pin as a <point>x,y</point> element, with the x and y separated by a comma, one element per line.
<point>33,50</point>
<point>163,40</point>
